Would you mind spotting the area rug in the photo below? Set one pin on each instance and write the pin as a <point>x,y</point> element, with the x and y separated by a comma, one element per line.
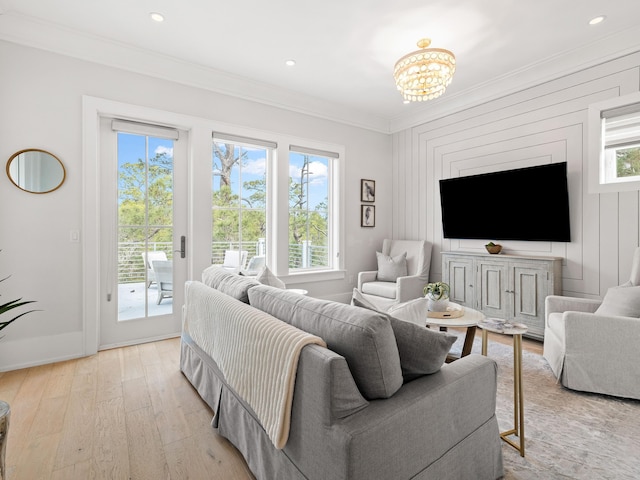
<point>568,434</point>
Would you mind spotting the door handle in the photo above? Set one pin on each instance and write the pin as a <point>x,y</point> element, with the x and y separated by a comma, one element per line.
<point>183,248</point>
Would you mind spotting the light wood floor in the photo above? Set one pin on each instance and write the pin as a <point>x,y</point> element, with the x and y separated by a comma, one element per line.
<point>126,413</point>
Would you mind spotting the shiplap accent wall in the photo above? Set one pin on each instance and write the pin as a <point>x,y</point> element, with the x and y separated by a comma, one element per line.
<point>542,124</point>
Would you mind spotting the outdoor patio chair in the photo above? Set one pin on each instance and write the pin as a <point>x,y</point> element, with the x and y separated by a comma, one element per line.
<point>148,258</point>
<point>235,259</point>
<point>164,278</point>
<point>255,264</point>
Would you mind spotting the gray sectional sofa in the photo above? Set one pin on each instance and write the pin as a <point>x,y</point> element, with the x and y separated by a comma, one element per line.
<point>366,407</point>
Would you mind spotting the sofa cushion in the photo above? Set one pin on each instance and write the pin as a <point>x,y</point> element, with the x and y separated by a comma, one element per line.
<point>390,268</point>
<point>227,282</point>
<point>266,277</point>
<point>414,311</point>
<point>365,339</point>
<point>422,350</point>
<point>621,302</point>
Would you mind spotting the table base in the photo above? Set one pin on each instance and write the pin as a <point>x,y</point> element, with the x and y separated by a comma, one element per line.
<point>518,400</point>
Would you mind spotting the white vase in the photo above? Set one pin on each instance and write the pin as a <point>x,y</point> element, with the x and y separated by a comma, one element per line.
<point>440,305</point>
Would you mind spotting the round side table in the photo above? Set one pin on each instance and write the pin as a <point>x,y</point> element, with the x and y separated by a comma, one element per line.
<point>515,330</point>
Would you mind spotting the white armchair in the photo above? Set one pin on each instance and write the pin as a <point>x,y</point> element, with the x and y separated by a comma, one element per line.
<point>384,294</point>
<point>592,345</point>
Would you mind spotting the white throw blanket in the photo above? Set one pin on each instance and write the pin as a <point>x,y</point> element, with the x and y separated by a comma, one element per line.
<point>257,353</point>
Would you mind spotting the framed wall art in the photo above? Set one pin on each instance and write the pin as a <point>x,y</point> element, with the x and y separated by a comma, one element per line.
<point>367,190</point>
<point>367,216</point>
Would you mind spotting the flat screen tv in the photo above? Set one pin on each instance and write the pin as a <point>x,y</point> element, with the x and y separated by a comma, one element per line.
<point>522,204</point>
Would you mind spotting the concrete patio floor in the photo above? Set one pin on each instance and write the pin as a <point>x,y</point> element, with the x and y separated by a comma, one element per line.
<point>131,301</point>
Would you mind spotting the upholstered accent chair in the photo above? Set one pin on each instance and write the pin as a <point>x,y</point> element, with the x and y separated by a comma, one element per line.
<point>592,345</point>
<point>403,271</point>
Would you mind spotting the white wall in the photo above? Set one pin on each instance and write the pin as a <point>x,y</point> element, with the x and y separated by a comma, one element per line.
<point>546,123</point>
<point>41,107</point>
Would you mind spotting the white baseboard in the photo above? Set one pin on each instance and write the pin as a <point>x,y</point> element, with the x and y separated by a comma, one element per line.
<point>40,350</point>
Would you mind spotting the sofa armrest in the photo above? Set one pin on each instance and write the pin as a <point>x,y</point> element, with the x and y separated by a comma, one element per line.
<point>429,415</point>
<point>410,287</point>
<point>364,277</point>
<point>609,335</point>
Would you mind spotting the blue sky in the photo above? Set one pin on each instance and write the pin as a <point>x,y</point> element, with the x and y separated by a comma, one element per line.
<point>132,147</point>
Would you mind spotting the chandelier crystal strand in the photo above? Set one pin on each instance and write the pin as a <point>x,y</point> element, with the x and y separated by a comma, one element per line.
<point>424,74</point>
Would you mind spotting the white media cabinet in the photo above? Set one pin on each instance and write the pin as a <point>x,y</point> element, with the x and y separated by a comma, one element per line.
<point>512,287</point>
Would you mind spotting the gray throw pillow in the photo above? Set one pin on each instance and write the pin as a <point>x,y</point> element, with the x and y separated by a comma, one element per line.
<point>621,302</point>
<point>227,282</point>
<point>390,268</point>
<point>422,350</point>
<point>364,338</point>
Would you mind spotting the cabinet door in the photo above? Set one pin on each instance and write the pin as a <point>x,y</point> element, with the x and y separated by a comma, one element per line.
<point>529,291</point>
<point>493,279</point>
<point>458,273</point>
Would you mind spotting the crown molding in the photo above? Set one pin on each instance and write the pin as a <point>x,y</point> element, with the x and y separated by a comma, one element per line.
<point>44,35</point>
<point>32,32</point>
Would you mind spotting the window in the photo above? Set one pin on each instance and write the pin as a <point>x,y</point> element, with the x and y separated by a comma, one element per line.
<point>309,218</point>
<point>622,145</point>
<point>276,202</point>
<point>614,144</point>
<point>239,198</point>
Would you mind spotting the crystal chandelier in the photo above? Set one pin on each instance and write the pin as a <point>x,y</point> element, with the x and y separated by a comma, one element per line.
<point>424,74</point>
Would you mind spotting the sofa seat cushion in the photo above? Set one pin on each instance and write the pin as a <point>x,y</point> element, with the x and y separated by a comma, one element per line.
<point>364,338</point>
<point>380,289</point>
<point>229,283</point>
<point>422,350</point>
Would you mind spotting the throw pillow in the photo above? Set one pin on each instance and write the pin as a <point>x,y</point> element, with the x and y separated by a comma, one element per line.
<point>390,268</point>
<point>266,277</point>
<point>414,311</point>
<point>363,337</point>
<point>228,282</point>
<point>621,302</point>
<point>422,350</point>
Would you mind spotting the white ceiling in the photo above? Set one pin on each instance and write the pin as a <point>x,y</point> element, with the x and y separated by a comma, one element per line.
<point>345,50</point>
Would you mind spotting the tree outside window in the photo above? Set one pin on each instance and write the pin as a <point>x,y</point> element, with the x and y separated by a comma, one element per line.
<point>308,211</point>
<point>239,199</point>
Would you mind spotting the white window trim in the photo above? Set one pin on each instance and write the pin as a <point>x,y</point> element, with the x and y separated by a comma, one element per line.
<point>278,196</point>
<point>597,177</point>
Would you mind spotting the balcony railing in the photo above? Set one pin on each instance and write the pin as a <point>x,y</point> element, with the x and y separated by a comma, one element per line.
<point>131,267</point>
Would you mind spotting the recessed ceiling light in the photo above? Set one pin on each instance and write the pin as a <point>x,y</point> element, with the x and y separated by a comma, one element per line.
<point>157,17</point>
<point>290,63</point>
<point>597,20</point>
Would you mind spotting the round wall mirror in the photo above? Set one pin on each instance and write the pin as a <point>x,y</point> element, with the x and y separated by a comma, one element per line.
<point>35,171</point>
